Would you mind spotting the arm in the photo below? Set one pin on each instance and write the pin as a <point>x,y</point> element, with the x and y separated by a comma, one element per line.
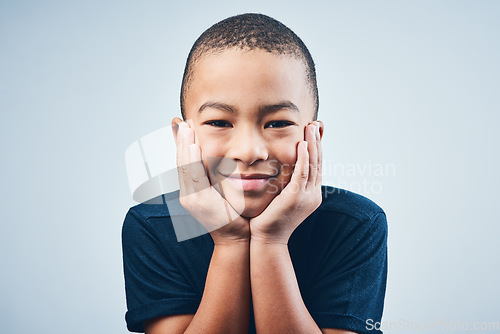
<point>276,296</point>
<point>278,304</point>
<point>225,304</point>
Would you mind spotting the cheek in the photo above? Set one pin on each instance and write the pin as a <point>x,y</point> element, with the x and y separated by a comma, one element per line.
<point>288,157</point>
<point>285,149</point>
<point>210,148</point>
<point>286,154</point>
<point>209,143</point>
<point>211,151</point>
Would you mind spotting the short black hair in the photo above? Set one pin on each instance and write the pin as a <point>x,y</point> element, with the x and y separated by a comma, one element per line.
<point>250,31</point>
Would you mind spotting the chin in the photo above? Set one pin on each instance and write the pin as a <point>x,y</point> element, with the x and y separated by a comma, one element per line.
<point>246,204</point>
<point>252,212</point>
<point>254,207</point>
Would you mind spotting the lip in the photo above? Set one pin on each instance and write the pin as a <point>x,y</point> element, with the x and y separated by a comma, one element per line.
<point>249,176</point>
<point>249,182</point>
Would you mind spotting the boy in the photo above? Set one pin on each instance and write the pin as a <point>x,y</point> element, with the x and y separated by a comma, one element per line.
<point>296,257</point>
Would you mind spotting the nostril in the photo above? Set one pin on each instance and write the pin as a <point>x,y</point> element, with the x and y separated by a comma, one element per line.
<point>247,147</point>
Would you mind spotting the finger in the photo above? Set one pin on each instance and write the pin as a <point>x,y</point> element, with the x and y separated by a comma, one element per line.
<point>231,213</point>
<point>178,144</point>
<point>191,125</point>
<point>197,173</point>
<point>301,171</point>
<point>180,163</point>
<point>175,130</point>
<point>313,154</point>
<point>185,137</point>
<point>194,175</point>
<point>320,158</point>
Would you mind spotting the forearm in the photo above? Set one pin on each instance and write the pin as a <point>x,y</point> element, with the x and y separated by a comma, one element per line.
<point>225,305</point>
<point>277,303</point>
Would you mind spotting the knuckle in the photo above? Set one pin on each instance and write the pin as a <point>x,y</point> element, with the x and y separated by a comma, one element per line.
<point>187,202</point>
<point>318,200</point>
<point>184,201</point>
<point>184,169</point>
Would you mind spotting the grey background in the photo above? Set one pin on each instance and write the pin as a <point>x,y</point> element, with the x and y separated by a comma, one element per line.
<point>408,84</point>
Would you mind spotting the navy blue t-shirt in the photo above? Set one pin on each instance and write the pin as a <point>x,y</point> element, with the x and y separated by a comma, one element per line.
<point>339,254</point>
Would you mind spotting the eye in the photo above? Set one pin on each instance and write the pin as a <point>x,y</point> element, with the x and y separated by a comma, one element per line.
<point>219,124</point>
<point>278,124</point>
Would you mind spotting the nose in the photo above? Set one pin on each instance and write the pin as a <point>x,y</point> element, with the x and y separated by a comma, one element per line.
<point>248,146</point>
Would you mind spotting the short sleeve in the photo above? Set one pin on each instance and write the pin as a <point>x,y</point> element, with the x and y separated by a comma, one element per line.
<point>349,293</point>
<point>153,285</point>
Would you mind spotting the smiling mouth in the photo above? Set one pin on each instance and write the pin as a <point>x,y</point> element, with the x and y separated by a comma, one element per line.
<point>249,176</point>
<point>249,182</point>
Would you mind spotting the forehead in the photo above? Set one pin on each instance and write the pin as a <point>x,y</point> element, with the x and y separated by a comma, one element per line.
<point>246,78</point>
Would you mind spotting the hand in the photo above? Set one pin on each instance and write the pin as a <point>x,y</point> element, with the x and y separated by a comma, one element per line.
<point>199,197</point>
<point>298,199</point>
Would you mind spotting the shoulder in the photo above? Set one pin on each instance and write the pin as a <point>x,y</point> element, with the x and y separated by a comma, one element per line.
<point>345,214</point>
<point>344,202</point>
<point>165,217</point>
<point>152,217</point>
<point>163,206</point>
<point>156,207</point>
<point>347,228</point>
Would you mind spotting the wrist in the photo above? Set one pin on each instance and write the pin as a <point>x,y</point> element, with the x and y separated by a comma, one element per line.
<point>269,240</point>
<point>232,242</point>
<point>262,250</point>
<point>232,252</point>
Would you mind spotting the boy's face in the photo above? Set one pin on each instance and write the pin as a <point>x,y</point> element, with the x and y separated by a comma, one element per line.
<point>250,108</point>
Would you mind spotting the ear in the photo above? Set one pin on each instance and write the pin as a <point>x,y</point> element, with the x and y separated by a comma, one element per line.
<point>175,127</point>
<point>321,129</point>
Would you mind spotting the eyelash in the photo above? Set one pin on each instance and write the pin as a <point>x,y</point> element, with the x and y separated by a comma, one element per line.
<point>224,124</point>
<point>283,124</point>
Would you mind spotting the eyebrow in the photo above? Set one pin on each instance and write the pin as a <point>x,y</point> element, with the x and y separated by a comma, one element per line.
<point>219,106</point>
<point>267,109</point>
